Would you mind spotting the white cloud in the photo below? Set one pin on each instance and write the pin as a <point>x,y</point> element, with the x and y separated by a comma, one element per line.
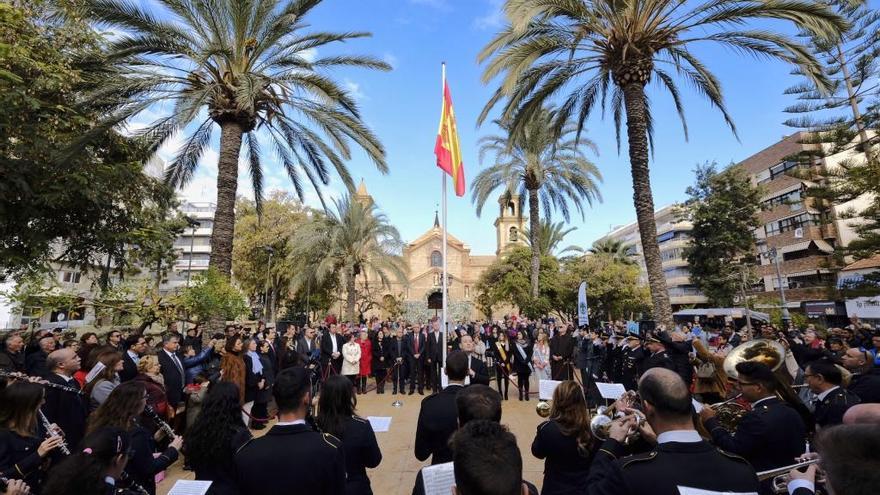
<point>309,54</point>
<point>390,59</point>
<point>493,19</point>
<point>354,90</point>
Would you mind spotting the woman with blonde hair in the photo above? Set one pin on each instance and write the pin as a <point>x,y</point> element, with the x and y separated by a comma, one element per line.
<point>565,443</point>
<point>150,374</point>
<point>541,355</point>
<point>351,359</point>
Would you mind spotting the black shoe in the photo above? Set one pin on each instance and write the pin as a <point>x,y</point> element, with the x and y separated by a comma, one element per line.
<point>412,392</point>
<point>527,397</point>
<point>421,392</point>
<point>394,392</point>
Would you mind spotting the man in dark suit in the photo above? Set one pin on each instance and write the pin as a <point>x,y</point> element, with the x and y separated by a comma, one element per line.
<point>771,434</point>
<point>35,362</point>
<point>396,358</point>
<point>292,453</point>
<point>331,349</point>
<point>561,352</point>
<point>415,358</point>
<point>438,417</point>
<point>477,371</point>
<point>680,459</point>
<point>68,410</point>
<point>630,362</point>
<point>434,356</point>
<point>832,400</point>
<point>172,369</point>
<point>137,346</point>
<point>865,381</point>
<point>307,344</point>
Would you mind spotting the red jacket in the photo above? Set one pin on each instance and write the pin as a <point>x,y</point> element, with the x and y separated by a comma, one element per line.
<point>366,357</point>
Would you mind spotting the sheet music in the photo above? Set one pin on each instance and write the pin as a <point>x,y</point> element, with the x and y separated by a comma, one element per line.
<point>611,391</point>
<point>190,487</point>
<point>380,423</point>
<point>438,479</point>
<point>546,388</point>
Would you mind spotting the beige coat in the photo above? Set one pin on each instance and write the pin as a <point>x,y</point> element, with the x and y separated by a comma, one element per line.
<point>351,358</point>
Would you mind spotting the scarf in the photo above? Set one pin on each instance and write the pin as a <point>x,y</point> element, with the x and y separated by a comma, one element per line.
<point>255,362</point>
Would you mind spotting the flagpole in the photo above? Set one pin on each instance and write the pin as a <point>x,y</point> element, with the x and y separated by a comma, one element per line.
<point>443,206</point>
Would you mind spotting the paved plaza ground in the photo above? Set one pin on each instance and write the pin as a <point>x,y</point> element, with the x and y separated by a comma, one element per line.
<point>397,472</point>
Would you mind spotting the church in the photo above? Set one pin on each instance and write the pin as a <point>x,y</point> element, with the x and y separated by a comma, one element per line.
<point>425,261</point>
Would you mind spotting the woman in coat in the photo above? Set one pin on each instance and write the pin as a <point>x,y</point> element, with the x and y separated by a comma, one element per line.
<point>150,374</point>
<point>351,359</point>
<point>522,363</point>
<point>541,355</point>
<point>380,363</point>
<point>254,382</point>
<point>366,361</point>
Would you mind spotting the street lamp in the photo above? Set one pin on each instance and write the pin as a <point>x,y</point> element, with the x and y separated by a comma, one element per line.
<point>773,254</point>
<point>266,312</point>
<point>193,225</point>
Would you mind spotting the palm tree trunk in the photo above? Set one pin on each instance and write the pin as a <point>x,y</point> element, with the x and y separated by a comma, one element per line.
<point>643,199</point>
<point>534,227</point>
<point>351,296</point>
<point>227,184</point>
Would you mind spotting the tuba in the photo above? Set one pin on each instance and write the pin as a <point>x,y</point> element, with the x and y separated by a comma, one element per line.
<point>769,352</point>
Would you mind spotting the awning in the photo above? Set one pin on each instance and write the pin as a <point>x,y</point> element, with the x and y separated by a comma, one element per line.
<point>734,312</point>
<point>800,246</point>
<point>824,246</point>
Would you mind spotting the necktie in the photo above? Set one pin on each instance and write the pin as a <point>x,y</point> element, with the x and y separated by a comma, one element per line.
<point>416,343</point>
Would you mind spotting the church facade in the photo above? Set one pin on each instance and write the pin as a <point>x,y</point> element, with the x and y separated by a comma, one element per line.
<point>424,257</point>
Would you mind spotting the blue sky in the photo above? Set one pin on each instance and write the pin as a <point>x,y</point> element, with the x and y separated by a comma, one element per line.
<point>403,107</point>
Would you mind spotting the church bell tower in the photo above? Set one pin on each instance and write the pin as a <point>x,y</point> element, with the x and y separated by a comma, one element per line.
<point>509,224</point>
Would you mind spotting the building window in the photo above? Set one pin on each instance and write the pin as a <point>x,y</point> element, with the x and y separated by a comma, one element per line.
<point>467,291</point>
<point>511,207</point>
<point>436,259</point>
<point>782,168</point>
<point>671,254</point>
<point>791,198</point>
<point>791,223</point>
<point>514,234</point>
<point>69,277</point>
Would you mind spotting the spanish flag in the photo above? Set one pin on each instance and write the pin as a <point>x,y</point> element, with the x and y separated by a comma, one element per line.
<point>447,149</point>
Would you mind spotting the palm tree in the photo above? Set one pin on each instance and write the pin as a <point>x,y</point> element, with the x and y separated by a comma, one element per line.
<point>588,47</point>
<point>355,240</point>
<point>550,236</point>
<point>616,250</point>
<point>242,66</point>
<point>551,171</point>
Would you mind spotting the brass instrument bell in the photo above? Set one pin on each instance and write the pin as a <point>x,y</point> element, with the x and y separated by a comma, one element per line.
<point>543,408</point>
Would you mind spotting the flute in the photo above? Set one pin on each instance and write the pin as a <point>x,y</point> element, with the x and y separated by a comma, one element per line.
<point>159,421</point>
<point>40,381</point>
<point>50,432</point>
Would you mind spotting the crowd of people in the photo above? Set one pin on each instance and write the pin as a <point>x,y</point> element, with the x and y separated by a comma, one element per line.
<point>103,414</point>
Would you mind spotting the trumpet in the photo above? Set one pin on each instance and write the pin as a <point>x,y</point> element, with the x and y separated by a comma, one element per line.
<point>781,477</point>
<point>50,432</point>
<point>600,424</point>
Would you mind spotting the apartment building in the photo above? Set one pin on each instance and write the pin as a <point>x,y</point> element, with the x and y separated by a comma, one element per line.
<point>194,244</point>
<point>672,236</point>
<point>802,231</point>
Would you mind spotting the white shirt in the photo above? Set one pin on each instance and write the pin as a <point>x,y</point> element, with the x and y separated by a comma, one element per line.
<point>683,436</point>
<point>825,393</point>
<point>134,357</point>
<point>333,342</point>
<point>762,400</point>
<point>795,484</point>
<point>291,423</point>
<point>66,378</point>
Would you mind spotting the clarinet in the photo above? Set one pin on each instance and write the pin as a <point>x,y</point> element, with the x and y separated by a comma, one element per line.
<point>149,411</point>
<point>131,484</point>
<point>40,381</point>
<point>50,433</point>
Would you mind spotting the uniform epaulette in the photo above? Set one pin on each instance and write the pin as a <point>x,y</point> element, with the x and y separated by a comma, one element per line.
<point>543,424</point>
<point>359,419</point>
<point>330,440</point>
<point>638,458</point>
<point>731,455</point>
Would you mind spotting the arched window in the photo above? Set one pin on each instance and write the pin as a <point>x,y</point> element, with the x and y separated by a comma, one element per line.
<point>514,234</point>
<point>512,207</point>
<point>436,259</point>
<point>467,291</point>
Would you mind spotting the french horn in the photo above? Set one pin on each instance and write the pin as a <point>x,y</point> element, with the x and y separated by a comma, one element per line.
<point>600,424</point>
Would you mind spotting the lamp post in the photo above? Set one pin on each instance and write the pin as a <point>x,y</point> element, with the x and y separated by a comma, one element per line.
<point>773,254</point>
<point>266,313</point>
<point>193,225</point>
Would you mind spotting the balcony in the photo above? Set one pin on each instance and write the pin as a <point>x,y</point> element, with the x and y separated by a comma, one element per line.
<point>196,264</point>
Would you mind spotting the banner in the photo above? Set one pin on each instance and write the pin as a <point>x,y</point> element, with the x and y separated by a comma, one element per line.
<point>583,318</point>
